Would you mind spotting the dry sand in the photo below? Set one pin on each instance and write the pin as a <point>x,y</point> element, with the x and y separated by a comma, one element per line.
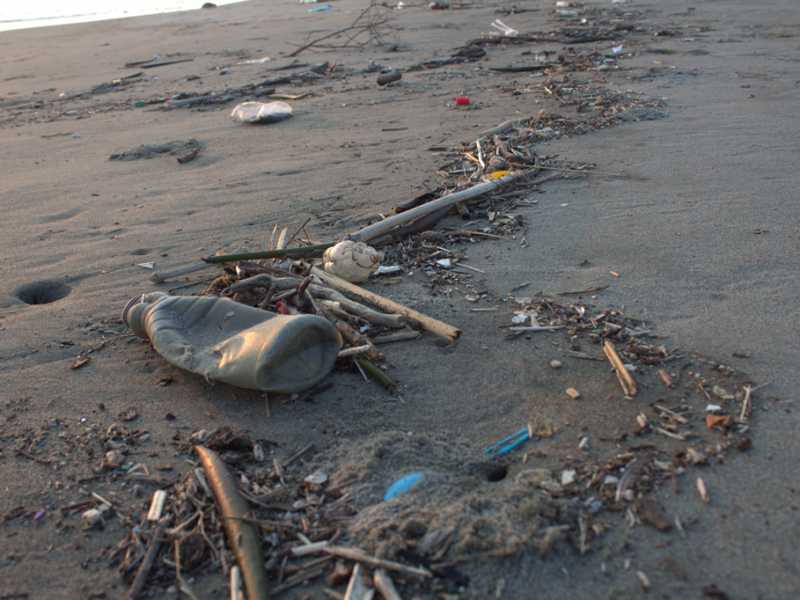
<point>704,238</point>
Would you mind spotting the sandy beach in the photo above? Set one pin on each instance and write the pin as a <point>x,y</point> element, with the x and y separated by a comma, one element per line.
<point>690,233</point>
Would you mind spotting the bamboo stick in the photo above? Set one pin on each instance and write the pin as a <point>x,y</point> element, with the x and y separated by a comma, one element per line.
<point>243,537</point>
<point>382,228</point>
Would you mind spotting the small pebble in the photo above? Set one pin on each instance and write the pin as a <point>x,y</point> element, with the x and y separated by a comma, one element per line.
<point>92,517</point>
<point>555,364</point>
<point>114,459</point>
<point>573,393</point>
<point>389,77</point>
<point>258,453</point>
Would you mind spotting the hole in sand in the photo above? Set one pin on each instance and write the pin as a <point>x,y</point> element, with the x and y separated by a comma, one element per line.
<point>491,473</point>
<point>42,292</point>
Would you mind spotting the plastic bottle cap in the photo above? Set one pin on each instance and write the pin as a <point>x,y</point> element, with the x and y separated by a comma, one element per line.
<point>462,101</point>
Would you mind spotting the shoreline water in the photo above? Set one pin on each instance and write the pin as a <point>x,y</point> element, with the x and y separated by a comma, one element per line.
<point>50,14</point>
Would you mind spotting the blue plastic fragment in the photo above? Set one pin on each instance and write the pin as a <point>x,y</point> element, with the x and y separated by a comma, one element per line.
<point>402,485</point>
<point>320,9</point>
<point>595,507</point>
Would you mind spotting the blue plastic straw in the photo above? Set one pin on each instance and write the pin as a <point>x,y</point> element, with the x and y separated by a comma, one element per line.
<point>508,444</point>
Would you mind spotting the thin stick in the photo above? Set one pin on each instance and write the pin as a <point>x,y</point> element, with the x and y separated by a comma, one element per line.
<point>374,372</point>
<point>298,455</point>
<point>565,170</point>
<point>358,366</point>
<point>674,415</point>
<point>297,579</point>
<point>745,404</point>
<point>291,239</point>
<point>359,556</point>
<point>43,461</point>
<point>144,569</point>
<point>156,278</point>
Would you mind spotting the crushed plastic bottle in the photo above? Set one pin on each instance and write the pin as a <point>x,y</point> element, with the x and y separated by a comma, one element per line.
<point>226,341</point>
<point>260,112</point>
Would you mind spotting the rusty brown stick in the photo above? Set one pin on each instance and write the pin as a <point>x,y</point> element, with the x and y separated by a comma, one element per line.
<point>150,555</point>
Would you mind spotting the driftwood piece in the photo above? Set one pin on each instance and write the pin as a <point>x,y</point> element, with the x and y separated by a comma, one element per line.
<point>625,379</point>
<point>441,329</point>
<point>399,336</point>
<point>351,335</point>
<point>394,321</point>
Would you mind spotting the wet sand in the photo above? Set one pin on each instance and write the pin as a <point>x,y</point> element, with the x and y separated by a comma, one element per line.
<point>702,237</point>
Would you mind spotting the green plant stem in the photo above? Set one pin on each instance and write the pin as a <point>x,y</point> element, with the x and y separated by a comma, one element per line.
<point>223,258</point>
<point>374,372</point>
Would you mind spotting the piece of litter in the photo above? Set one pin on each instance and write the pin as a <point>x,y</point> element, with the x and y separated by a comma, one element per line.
<point>573,393</point>
<point>509,443</point>
<point>445,263</point>
<point>713,407</point>
<point>316,478</point>
<point>643,579</point>
<point>701,487</point>
<point>259,112</point>
<point>617,49</point>
<point>500,26</point>
<point>149,265</point>
<point>722,394</point>
<point>157,505</point>
<point>568,477</point>
<point>402,485</point>
<point>255,61</point>
<point>385,270</point>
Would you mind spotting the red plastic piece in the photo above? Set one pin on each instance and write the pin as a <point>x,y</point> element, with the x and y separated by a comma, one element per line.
<point>281,308</point>
<point>462,101</point>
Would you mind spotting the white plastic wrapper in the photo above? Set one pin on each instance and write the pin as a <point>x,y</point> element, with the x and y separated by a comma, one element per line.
<point>352,261</point>
<point>259,112</point>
